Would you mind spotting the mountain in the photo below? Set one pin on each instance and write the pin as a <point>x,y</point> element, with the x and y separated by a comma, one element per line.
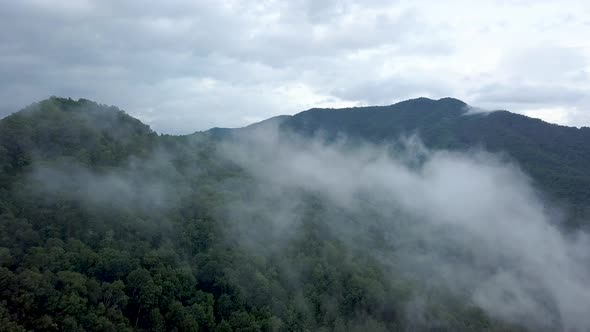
<point>107,226</point>
<point>224,133</point>
<point>557,157</point>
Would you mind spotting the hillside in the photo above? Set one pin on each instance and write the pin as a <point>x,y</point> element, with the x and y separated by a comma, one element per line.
<point>107,226</point>
<point>557,157</point>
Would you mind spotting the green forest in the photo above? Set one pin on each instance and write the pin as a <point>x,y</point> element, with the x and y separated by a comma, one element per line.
<point>106,225</point>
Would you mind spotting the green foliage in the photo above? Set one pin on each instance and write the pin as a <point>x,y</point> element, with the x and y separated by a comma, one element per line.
<point>73,258</point>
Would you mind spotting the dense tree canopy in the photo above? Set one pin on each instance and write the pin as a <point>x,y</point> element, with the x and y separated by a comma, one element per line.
<point>106,226</point>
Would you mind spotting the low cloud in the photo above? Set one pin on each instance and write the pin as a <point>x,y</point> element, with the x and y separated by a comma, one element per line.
<point>469,110</point>
<point>470,223</point>
<point>137,185</point>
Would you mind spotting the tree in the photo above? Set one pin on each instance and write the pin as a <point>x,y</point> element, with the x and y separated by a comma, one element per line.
<point>143,291</point>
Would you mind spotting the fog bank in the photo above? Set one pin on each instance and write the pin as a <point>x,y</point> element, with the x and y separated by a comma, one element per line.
<point>469,222</point>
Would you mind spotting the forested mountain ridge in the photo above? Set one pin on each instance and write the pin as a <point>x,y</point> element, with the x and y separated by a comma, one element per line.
<point>557,157</point>
<point>92,133</point>
<point>107,226</point>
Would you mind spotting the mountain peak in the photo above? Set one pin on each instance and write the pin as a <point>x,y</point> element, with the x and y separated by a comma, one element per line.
<point>424,101</point>
<point>81,129</point>
<point>452,100</point>
<point>65,112</point>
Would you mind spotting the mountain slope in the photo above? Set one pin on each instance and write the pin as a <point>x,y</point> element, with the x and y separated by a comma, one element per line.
<point>106,226</point>
<point>557,157</point>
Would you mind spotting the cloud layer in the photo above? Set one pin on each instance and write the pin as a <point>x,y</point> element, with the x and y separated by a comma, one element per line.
<point>467,222</point>
<point>184,65</point>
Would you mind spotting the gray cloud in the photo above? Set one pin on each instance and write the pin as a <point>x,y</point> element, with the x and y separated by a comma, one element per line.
<point>392,89</point>
<point>545,63</point>
<point>154,59</point>
<point>529,94</point>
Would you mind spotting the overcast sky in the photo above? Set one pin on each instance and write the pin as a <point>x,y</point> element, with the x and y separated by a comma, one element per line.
<point>182,66</point>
